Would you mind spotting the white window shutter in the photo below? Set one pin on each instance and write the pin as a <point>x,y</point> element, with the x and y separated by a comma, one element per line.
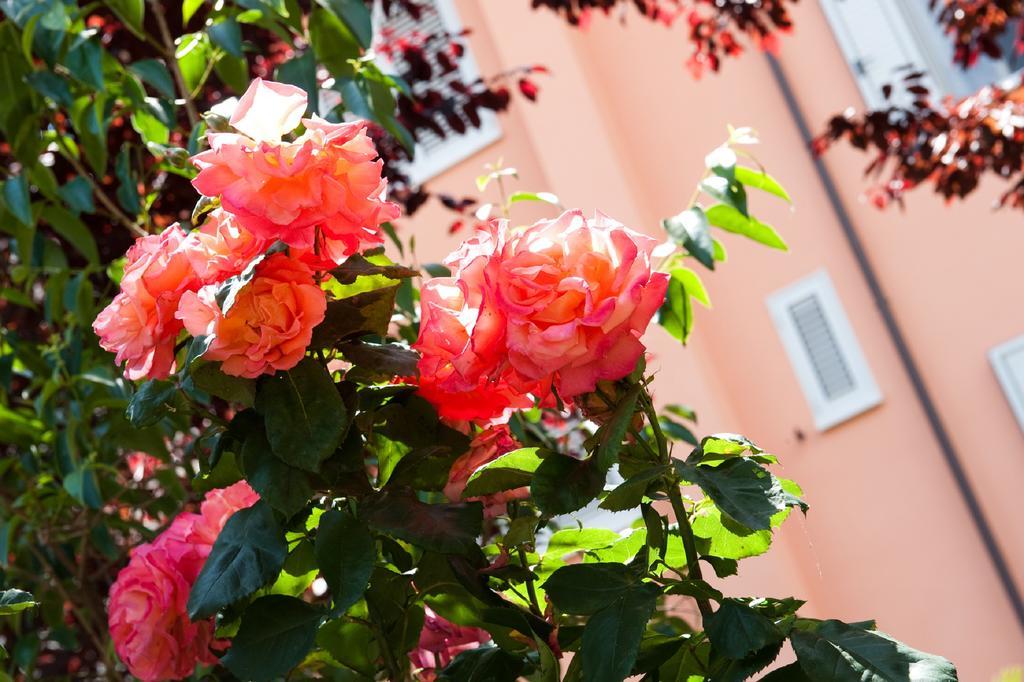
<point>1008,362</point>
<point>883,40</point>
<point>826,357</point>
<point>434,154</point>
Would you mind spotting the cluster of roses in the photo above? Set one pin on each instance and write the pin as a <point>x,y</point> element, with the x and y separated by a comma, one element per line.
<point>528,315</point>
<point>320,194</point>
<point>147,612</point>
<point>555,307</point>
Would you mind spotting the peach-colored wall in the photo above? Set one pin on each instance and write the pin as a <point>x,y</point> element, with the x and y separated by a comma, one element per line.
<point>621,126</point>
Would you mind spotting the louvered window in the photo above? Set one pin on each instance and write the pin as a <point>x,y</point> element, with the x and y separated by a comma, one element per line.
<point>435,154</point>
<point>882,40</point>
<point>823,350</point>
<point>1008,362</point>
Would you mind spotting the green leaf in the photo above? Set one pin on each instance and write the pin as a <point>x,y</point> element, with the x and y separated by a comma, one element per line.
<point>300,71</point>
<point>736,630</point>
<point>151,128</point>
<point>193,55</point>
<point>85,62</point>
<point>720,536</point>
<point>585,589</point>
<point>17,200</point>
<point>730,192</point>
<point>127,189</point>
<point>346,554</point>
<point>562,484</point>
<point>132,13</point>
<point>761,180</point>
<point>356,16</point>
<point>611,638</point>
<point>741,488</point>
<point>348,318</point>
<point>188,10</point>
<point>154,72</point>
<point>208,377</point>
<point>676,313</point>
<point>728,444</point>
<point>227,35</point>
<point>276,633</point>
<point>511,470</point>
<point>284,487</point>
<point>484,664</point>
<point>356,266</point>
<point>50,85</point>
<point>77,194</point>
<point>305,416</point>
<point>844,652</point>
<point>731,220</point>
<point>692,284</point>
<point>691,230</point>
<point>333,43</point>
<point>444,528</point>
<point>150,403</point>
<point>15,601</point>
<point>73,230</point>
<point>610,435</point>
<point>81,484</point>
<point>546,197</point>
<point>248,554</point>
<point>570,540</point>
<point>630,494</point>
<point>383,359</point>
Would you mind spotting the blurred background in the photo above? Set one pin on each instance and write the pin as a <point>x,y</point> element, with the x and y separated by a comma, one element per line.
<point>882,357</point>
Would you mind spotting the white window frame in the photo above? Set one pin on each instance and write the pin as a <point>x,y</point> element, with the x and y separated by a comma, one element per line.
<point>827,412</point>
<point>1012,383</point>
<point>879,36</point>
<point>456,148</point>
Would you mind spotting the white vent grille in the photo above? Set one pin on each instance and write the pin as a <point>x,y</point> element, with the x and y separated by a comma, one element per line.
<point>823,350</point>
<point>1008,362</point>
<point>435,154</point>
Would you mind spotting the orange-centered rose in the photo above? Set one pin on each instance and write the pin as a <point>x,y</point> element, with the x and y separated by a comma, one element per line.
<point>139,325</point>
<point>329,177</point>
<point>577,295</point>
<point>270,323</point>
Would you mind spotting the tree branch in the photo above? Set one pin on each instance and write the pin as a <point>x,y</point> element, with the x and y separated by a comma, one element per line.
<point>172,61</point>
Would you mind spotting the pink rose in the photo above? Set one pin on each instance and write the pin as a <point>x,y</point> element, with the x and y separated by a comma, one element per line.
<point>147,611</point>
<point>217,508</point>
<point>139,325</point>
<point>560,304</point>
<point>577,296</point>
<point>328,177</point>
<point>461,368</point>
<point>487,446</point>
<point>270,324</point>
<point>440,642</point>
<point>142,465</point>
<point>222,248</point>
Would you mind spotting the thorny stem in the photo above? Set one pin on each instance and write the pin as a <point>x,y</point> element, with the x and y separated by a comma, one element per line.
<point>676,498</point>
<point>80,616</point>
<point>530,589</point>
<point>395,671</point>
<point>172,61</point>
<point>107,202</point>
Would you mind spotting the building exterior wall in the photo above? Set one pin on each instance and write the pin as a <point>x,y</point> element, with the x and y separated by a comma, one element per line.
<point>621,126</point>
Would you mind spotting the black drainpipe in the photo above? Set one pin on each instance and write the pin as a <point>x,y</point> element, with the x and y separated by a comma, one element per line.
<point>949,453</point>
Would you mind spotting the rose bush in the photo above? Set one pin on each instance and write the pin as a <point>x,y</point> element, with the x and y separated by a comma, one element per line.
<point>372,510</point>
<point>421,484</point>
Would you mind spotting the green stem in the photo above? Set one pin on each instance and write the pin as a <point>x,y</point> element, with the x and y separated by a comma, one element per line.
<point>530,589</point>
<point>676,498</point>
